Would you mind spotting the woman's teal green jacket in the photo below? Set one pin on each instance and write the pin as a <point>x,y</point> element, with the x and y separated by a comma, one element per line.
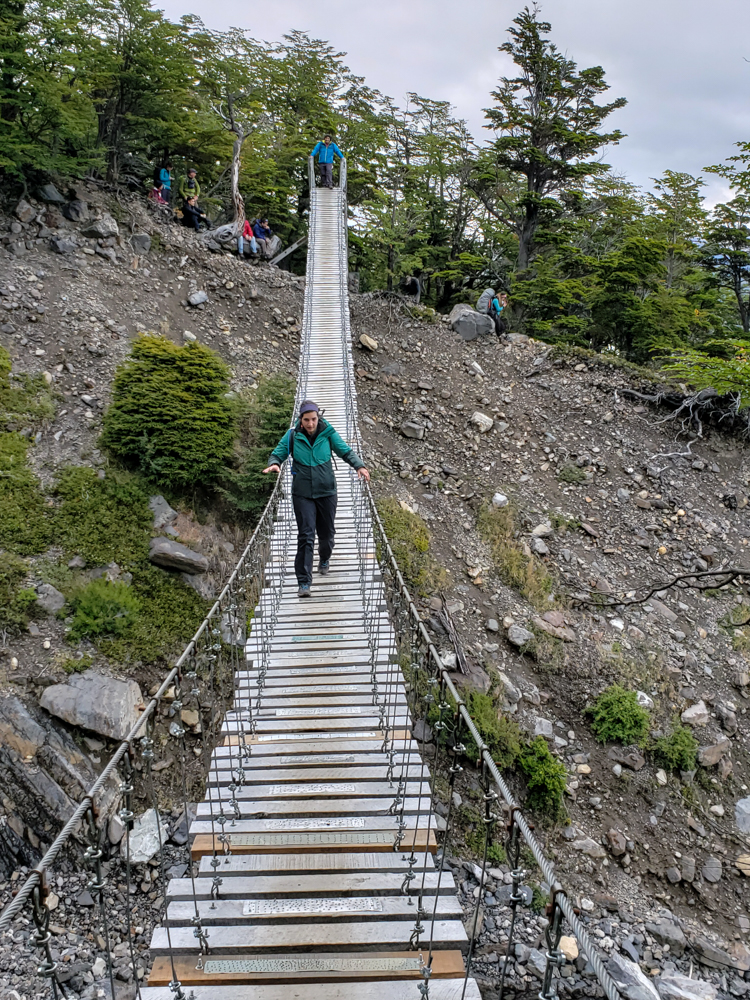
<point>312,471</point>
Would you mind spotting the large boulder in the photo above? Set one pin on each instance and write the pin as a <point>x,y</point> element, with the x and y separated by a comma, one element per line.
<point>49,193</point>
<point>631,982</point>
<point>76,210</point>
<point>171,555</point>
<point>163,513</point>
<point>471,325</point>
<point>673,986</point>
<point>459,310</point>
<point>24,212</point>
<point>102,228</point>
<point>42,776</point>
<point>63,244</point>
<point>93,701</point>
<point>49,598</point>
<point>668,932</point>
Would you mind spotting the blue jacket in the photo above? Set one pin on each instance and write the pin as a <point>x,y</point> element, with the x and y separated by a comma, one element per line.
<point>165,178</point>
<point>261,232</point>
<point>326,152</point>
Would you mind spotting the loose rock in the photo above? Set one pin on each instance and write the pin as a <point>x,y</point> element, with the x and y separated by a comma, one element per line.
<point>93,701</point>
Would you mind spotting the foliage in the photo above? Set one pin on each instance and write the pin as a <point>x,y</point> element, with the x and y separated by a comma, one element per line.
<point>25,400</point>
<point>265,417</point>
<point>677,751</point>
<point>24,517</point>
<point>701,371</point>
<point>103,520</point>
<point>545,779</point>
<point>169,613</point>
<point>617,717</point>
<point>410,540</point>
<point>571,474</point>
<point>501,735</point>
<point>76,664</point>
<point>516,569</point>
<point>170,417</point>
<point>15,600</point>
<point>102,608</point>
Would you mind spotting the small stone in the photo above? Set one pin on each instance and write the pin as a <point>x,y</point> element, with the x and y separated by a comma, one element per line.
<point>163,513</point>
<point>481,421</point>
<point>661,777</point>
<point>617,843</point>
<point>368,342</point>
<point>712,869</point>
<point>688,868</point>
<point>411,429</point>
<point>141,243</point>
<point>569,947</point>
<point>539,547</point>
<point>190,717</point>
<point>742,814</point>
<point>696,715</point>
<point>492,625</point>
<point>743,863</point>
<point>590,847</point>
<point>674,875</point>
<point>644,700</point>
<point>198,298</point>
<point>144,838</point>
<point>24,212</point>
<point>188,337</point>
<point>668,932</point>
<point>717,810</point>
<point>630,979</point>
<point>543,727</point>
<point>518,635</point>
<point>711,755</point>
<point>171,555</point>
<point>499,500</point>
<point>49,193</point>
<point>102,228</point>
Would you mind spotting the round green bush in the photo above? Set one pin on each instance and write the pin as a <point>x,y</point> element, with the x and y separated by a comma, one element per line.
<point>170,417</point>
<point>103,608</point>
<point>616,716</point>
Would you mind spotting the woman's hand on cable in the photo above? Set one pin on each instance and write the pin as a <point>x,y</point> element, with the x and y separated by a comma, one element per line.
<point>364,474</point>
<point>272,468</point>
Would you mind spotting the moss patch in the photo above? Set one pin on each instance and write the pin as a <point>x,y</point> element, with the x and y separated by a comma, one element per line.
<point>677,751</point>
<point>410,541</point>
<point>15,600</point>
<point>502,735</point>
<point>25,400</point>
<point>525,573</point>
<point>102,608</point>
<point>24,516</point>
<point>103,520</point>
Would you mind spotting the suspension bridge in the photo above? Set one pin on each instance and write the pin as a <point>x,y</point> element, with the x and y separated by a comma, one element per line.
<point>316,861</point>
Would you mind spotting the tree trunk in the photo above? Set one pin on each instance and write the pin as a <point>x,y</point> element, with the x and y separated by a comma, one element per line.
<point>232,230</point>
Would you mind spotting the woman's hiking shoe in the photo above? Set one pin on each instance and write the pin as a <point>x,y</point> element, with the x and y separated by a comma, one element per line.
<point>323,568</point>
<point>304,590</point>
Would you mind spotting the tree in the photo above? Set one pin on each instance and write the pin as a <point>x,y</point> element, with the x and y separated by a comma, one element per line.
<point>677,209</point>
<point>549,126</point>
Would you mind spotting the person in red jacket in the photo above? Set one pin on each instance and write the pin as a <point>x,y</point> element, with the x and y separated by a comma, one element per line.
<point>247,234</point>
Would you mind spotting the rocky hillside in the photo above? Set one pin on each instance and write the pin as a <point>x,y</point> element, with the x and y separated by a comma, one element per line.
<point>551,490</point>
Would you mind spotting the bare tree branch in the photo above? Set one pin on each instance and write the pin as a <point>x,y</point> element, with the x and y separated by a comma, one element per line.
<point>684,581</point>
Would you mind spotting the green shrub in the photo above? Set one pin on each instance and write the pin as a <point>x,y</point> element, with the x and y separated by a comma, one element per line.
<point>24,399</point>
<point>677,751</point>
<point>170,416</point>
<point>264,418</point>
<point>617,717</point>
<point>15,601</point>
<point>702,371</point>
<point>545,779</point>
<point>76,665</point>
<point>103,520</point>
<point>101,609</point>
<point>524,573</point>
<point>170,612</point>
<point>502,735</point>
<point>24,516</point>
<point>571,474</point>
<point>410,541</point>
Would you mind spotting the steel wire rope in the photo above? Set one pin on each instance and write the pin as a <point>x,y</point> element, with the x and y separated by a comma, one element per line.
<point>126,817</point>
<point>97,885</point>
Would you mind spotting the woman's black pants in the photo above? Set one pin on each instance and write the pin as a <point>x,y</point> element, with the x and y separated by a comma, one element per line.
<point>313,517</point>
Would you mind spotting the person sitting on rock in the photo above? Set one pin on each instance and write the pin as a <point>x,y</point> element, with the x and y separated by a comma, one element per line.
<point>156,194</point>
<point>192,214</point>
<point>262,233</point>
<point>247,239</point>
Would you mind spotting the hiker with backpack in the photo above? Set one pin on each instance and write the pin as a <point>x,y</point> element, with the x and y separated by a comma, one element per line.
<point>311,444</point>
<point>324,151</point>
<point>492,305</point>
<point>163,181</point>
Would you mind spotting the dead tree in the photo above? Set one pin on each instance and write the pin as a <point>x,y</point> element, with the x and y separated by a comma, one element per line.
<point>232,121</point>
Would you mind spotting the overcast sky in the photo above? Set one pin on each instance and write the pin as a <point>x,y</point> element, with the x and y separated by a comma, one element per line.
<point>681,64</point>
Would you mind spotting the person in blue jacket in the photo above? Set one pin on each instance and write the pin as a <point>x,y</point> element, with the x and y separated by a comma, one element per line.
<point>165,176</point>
<point>311,443</point>
<point>262,233</point>
<point>324,151</point>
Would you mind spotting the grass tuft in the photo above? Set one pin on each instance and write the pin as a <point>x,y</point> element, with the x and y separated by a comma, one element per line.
<point>25,526</point>
<point>525,573</point>
<point>546,779</point>
<point>410,541</point>
<point>616,717</point>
